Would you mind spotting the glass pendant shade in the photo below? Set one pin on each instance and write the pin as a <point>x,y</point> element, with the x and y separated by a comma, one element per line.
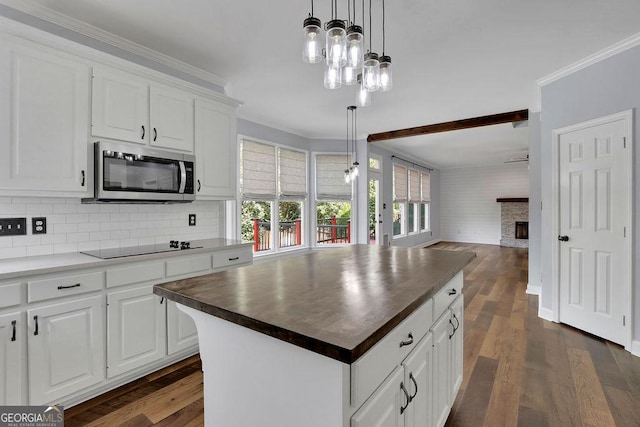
<point>363,97</point>
<point>386,73</point>
<point>336,46</point>
<point>355,46</point>
<point>354,170</point>
<point>347,176</point>
<point>332,77</point>
<point>371,72</point>
<point>312,50</point>
<point>349,75</point>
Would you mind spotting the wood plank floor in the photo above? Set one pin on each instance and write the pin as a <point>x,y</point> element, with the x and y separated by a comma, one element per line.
<point>519,370</point>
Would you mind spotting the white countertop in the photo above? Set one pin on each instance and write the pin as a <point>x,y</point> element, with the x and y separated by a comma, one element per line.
<point>26,266</point>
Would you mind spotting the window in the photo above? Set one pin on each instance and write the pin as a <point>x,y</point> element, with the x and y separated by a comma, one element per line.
<point>425,199</point>
<point>333,200</point>
<point>414,199</point>
<point>375,162</point>
<point>411,198</point>
<point>399,199</point>
<point>273,183</point>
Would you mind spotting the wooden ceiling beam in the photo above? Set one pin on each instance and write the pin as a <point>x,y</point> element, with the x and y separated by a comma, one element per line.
<point>493,119</point>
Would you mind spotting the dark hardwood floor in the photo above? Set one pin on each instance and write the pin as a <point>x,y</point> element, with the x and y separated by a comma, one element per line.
<point>519,370</point>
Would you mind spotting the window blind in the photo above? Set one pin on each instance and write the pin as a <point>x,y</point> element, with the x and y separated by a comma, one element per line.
<point>414,185</point>
<point>292,173</point>
<point>425,181</point>
<point>399,184</point>
<point>258,171</point>
<point>330,177</point>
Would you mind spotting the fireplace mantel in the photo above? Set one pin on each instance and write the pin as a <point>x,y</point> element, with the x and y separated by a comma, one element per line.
<point>513,200</point>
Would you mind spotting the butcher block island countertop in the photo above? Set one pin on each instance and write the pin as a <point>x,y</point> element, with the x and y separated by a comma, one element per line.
<point>338,302</point>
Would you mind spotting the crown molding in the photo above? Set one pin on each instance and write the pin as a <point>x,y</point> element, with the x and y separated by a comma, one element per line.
<point>608,52</point>
<point>34,9</point>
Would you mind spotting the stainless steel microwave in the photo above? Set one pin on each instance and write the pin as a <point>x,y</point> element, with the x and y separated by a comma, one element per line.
<point>129,174</point>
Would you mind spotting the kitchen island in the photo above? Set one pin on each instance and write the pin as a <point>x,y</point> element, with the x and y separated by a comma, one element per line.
<point>322,339</point>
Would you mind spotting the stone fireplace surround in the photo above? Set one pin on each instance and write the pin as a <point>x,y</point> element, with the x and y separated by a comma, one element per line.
<point>512,210</point>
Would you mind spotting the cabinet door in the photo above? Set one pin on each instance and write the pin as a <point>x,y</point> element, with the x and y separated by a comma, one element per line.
<point>136,329</point>
<point>66,348</point>
<point>120,106</point>
<point>11,365</point>
<point>419,383</point>
<point>181,330</point>
<point>216,150</point>
<point>457,340</point>
<point>44,119</point>
<point>382,409</point>
<point>171,118</point>
<point>442,367</point>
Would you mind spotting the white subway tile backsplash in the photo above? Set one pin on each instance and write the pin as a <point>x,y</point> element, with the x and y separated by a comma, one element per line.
<point>72,226</point>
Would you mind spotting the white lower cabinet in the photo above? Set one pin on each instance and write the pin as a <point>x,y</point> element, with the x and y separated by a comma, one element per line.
<point>11,362</point>
<point>457,317</point>
<point>383,407</point>
<point>136,329</point>
<point>181,330</point>
<point>442,361</point>
<point>418,380</point>
<point>66,348</point>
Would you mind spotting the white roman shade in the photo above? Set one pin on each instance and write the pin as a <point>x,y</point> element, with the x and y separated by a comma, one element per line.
<point>330,177</point>
<point>425,181</point>
<point>414,185</point>
<point>399,184</point>
<point>258,171</point>
<point>292,173</point>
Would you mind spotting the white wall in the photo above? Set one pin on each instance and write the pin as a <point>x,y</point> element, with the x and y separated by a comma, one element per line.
<point>73,227</point>
<point>468,208</point>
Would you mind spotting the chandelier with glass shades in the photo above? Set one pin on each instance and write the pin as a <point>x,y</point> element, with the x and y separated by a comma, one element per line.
<point>343,51</point>
<point>351,172</point>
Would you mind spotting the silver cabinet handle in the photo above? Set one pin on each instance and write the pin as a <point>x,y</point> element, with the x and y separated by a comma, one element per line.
<point>406,395</point>
<point>407,342</point>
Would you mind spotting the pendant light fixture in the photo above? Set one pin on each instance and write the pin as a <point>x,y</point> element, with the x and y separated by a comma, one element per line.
<point>347,171</point>
<point>386,76</point>
<point>363,97</point>
<point>354,134</point>
<point>312,50</point>
<point>371,66</point>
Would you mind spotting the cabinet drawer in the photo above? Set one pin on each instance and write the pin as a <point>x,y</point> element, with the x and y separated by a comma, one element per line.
<point>63,286</point>
<point>135,274</point>
<point>229,258</point>
<point>447,295</point>
<point>368,372</point>
<point>10,295</point>
<point>187,265</point>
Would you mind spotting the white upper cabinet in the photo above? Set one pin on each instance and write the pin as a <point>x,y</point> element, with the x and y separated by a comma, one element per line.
<point>130,108</point>
<point>120,106</point>
<point>44,120</point>
<point>216,150</point>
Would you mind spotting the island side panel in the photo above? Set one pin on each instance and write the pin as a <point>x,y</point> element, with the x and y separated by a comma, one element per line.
<point>251,379</point>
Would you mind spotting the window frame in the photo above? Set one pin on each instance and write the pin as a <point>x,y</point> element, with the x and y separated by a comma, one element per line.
<point>406,205</point>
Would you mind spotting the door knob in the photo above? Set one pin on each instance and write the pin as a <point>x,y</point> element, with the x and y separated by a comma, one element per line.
<point>563,238</point>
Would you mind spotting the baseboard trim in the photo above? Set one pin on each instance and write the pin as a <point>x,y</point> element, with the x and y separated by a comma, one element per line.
<point>545,313</point>
<point>635,348</point>
<point>426,245</point>
<point>534,290</point>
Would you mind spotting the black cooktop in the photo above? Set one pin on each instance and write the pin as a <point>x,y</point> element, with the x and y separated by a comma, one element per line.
<point>136,250</point>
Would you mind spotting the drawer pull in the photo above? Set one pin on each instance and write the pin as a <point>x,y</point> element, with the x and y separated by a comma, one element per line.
<point>234,258</point>
<point>162,300</point>
<point>457,322</point>
<point>407,342</point>
<point>454,329</point>
<point>13,334</point>
<point>453,291</point>
<point>406,395</point>
<point>415,384</point>
<point>35,318</point>
<point>77,285</point>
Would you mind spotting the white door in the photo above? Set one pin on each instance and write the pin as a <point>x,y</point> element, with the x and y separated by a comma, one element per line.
<point>457,342</point>
<point>441,376</point>
<point>382,409</point>
<point>136,329</point>
<point>375,211</point>
<point>171,118</point>
<point>66,348</point>
<point>594,232</point>
<point>419,382</point>
<point>44,120</point>
<point>120,106</point>
<point>11,343</point>
<point>181,330</point>
<point>216,150</point>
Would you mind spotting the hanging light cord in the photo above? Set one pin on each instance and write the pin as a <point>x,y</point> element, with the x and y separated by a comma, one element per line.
<point>364,39</point>
<point>347,139</point>
<point>370,42</point>
<point>311,8</point>
<point>355,125</point>
<point>383,35</point>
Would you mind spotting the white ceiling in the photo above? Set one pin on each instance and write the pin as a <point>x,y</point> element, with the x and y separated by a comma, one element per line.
<point>452,59</point>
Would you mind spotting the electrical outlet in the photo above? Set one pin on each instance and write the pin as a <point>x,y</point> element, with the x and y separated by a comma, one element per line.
<point>13,226</point>
<point>39,225</point>
<point>192,220</point>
